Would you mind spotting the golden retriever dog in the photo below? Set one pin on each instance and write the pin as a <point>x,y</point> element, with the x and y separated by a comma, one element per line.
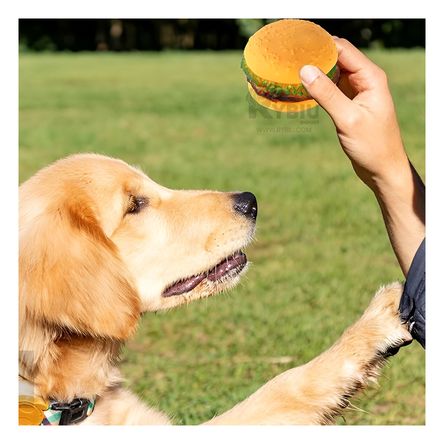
<point>100,243</point>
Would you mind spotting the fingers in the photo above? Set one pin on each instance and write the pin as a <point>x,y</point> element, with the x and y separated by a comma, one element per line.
<point>359,75</point>
<point>326,93</point>
<point>351,59</point>
<point>366,75</point>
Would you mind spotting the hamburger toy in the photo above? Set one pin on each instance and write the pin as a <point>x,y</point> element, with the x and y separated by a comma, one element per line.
<point>273,57</point>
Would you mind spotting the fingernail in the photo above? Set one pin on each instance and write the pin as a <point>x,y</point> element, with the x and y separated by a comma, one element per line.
<point>335,37</point>
<point>309,74</point>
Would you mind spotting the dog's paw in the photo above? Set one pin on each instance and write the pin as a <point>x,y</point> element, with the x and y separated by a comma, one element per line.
<point>383,319</point>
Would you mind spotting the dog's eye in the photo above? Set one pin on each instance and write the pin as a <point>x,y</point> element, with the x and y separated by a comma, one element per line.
<point>136,203</point>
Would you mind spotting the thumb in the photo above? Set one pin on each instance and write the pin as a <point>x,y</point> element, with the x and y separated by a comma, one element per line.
<point>326,93</point>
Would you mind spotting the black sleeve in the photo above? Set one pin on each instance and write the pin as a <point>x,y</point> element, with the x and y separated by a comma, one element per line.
<point>412,305</point>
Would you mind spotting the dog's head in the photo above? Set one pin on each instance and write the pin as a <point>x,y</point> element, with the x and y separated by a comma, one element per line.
<point>100,242</point>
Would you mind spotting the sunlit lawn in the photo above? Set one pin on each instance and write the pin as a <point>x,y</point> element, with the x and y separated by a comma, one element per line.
<point>321,248</point>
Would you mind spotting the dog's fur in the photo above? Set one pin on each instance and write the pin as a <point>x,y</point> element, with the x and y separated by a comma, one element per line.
<point>90,264</point>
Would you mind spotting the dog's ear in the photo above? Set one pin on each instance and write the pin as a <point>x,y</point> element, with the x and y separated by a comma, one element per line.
<point>71,274</point>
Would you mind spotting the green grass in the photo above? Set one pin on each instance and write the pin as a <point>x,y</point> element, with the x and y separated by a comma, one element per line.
<point>321,248</point>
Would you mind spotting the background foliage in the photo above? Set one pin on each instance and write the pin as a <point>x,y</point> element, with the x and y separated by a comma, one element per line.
<point>216,34</point>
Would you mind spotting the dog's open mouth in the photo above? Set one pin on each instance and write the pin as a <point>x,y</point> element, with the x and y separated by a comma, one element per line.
<point>230,266</point>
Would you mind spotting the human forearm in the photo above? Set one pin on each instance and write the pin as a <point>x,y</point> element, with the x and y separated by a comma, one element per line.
<point>402,202</point>
<point>363,112</point>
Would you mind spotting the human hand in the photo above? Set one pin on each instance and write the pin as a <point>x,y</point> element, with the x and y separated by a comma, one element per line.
<point>363,112</point>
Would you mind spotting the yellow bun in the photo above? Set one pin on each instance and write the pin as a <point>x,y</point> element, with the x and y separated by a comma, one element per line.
<point>283,107</point>
<point>279,50</point>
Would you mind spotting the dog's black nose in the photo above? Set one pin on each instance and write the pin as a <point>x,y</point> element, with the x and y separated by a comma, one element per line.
<point>246,204</point>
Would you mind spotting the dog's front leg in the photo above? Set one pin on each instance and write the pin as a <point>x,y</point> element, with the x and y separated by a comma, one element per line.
<point>317,391</point>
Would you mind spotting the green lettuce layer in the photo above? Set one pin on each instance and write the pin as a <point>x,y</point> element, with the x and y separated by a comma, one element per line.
<point>279,90</point>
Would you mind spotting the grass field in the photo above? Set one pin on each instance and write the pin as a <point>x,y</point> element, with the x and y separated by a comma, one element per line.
<point>321,248</point>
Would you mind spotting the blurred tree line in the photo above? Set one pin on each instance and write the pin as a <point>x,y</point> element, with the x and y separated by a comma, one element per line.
<point>215,34</point>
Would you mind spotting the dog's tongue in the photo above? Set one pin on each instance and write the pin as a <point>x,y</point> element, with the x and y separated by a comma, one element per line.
<point>236,260</point>
<point>184,286</point>
<point>227,265</point>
